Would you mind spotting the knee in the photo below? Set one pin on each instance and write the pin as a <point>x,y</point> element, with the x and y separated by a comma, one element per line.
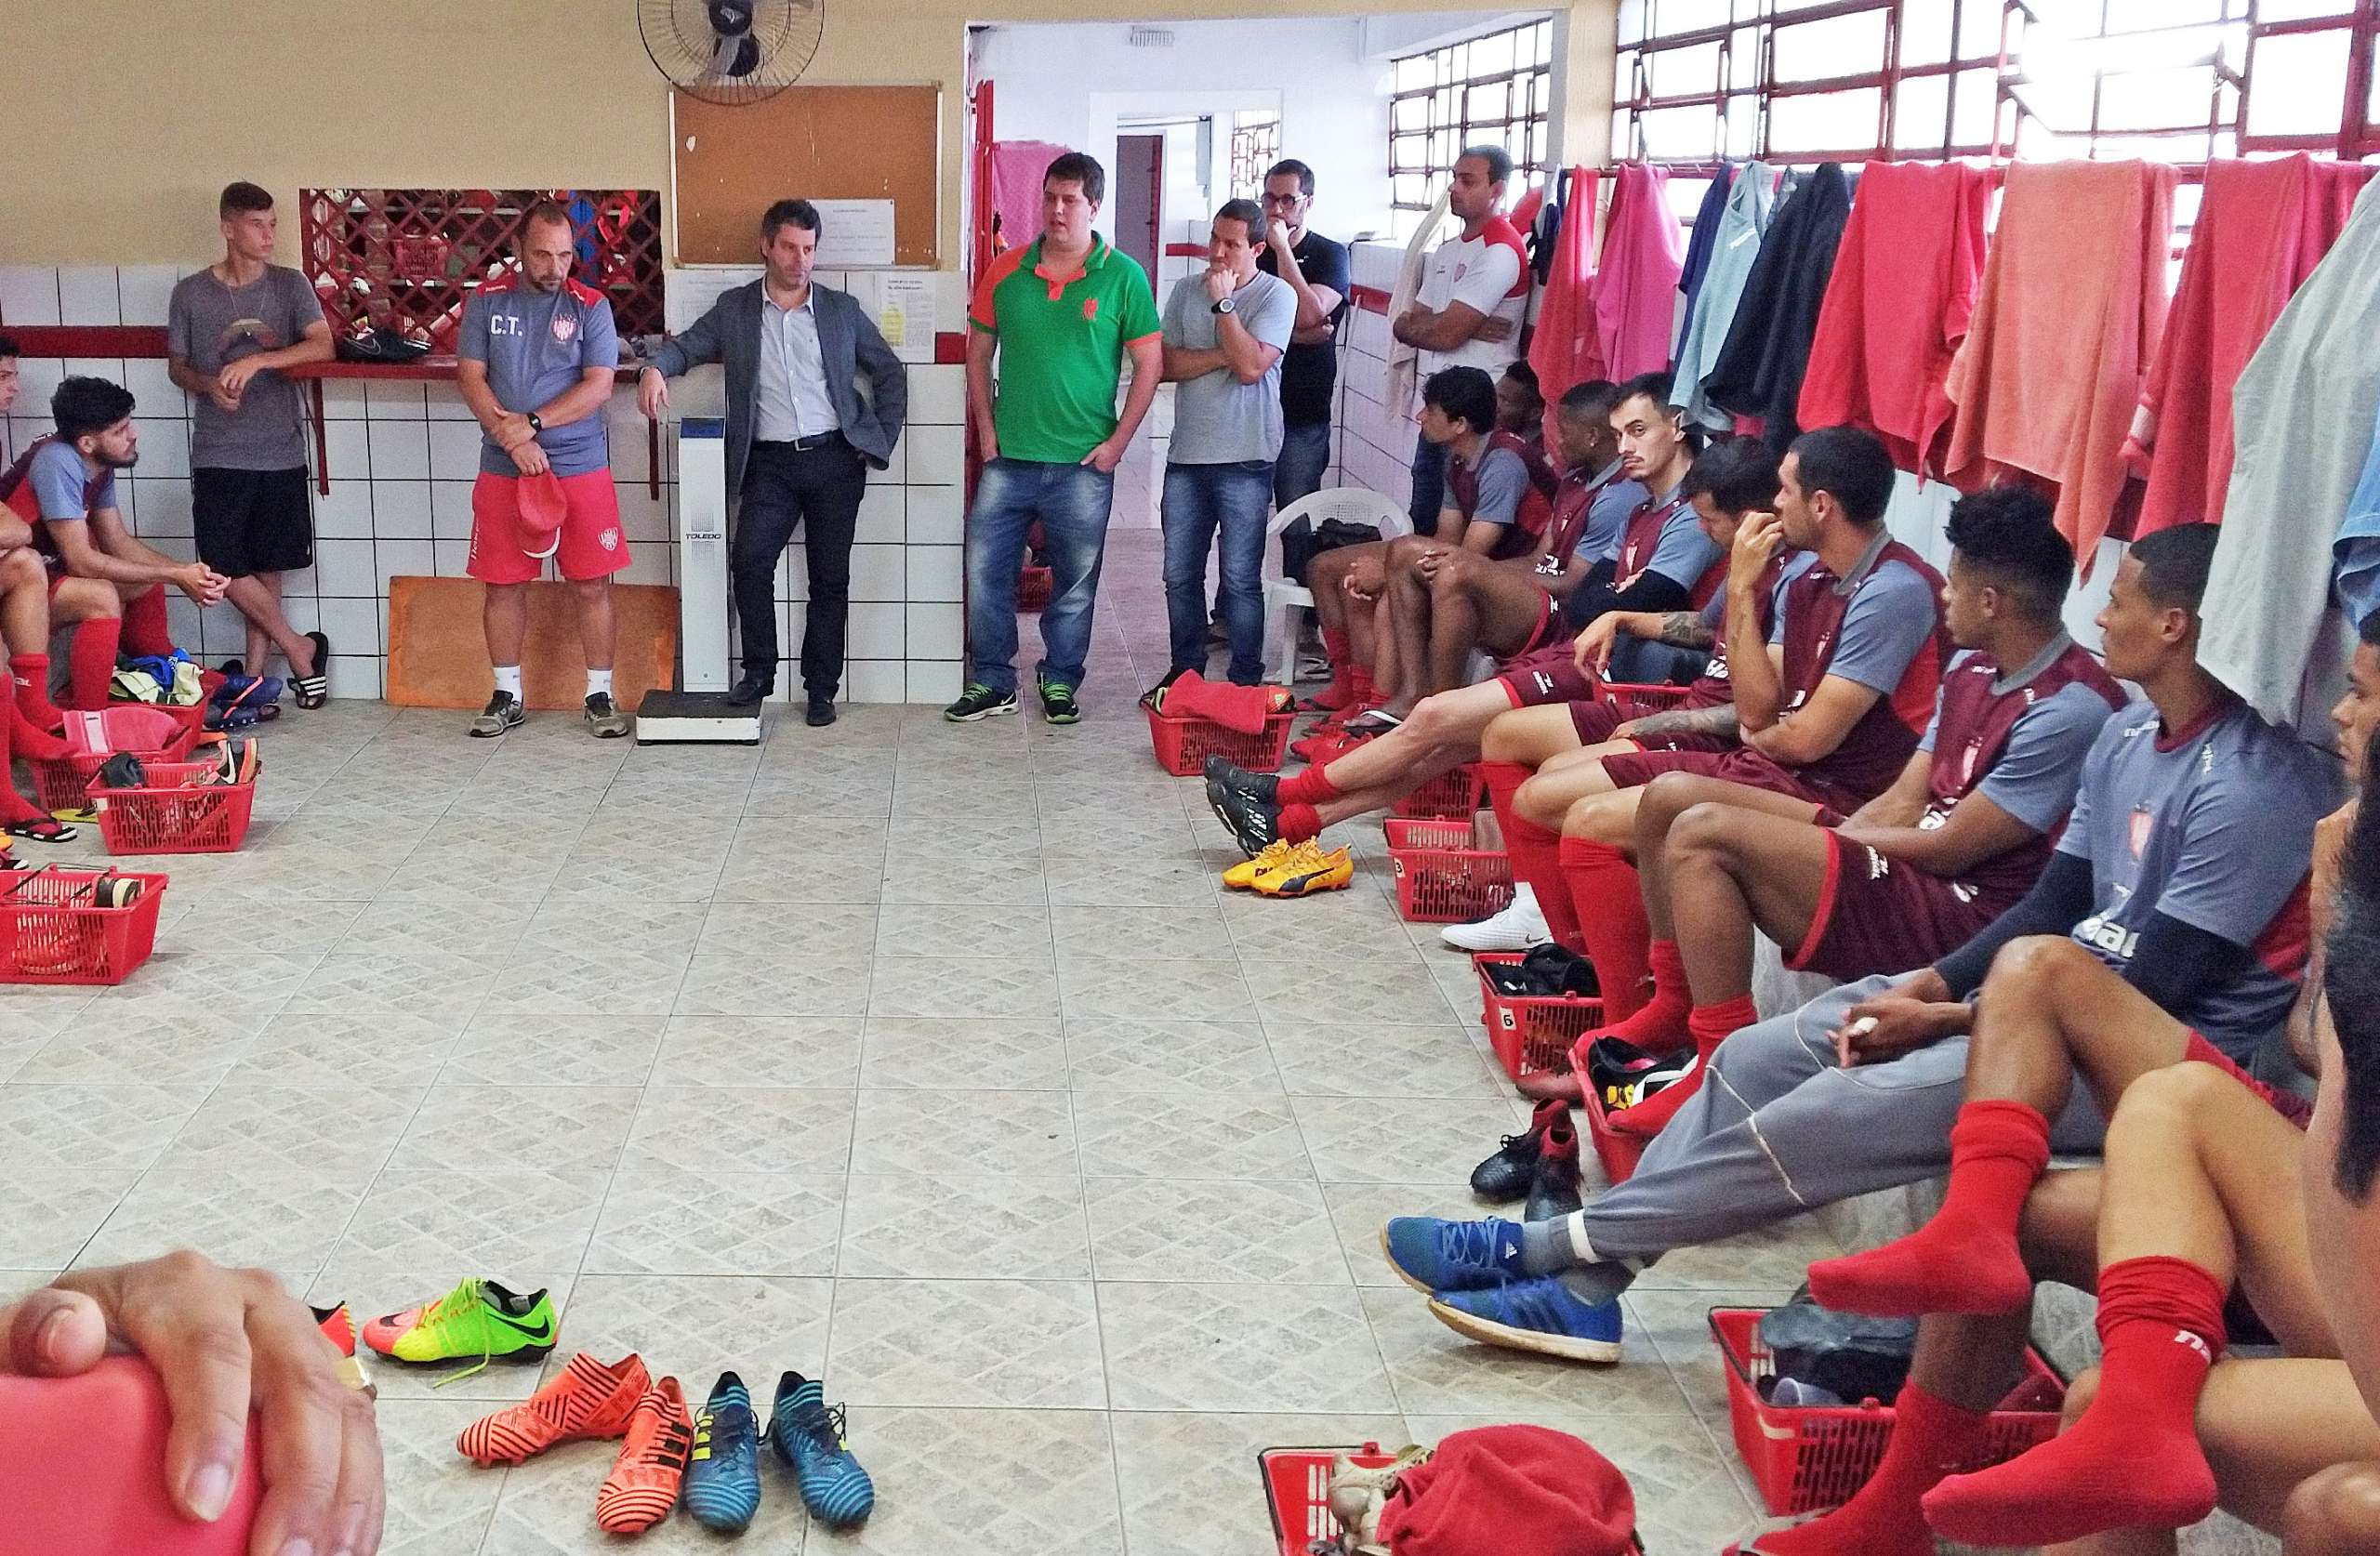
<point>2028,967</point>
<point>2335,1510</point>
<point>1536,801</point>
<point>593,591</point>
<point>1665,798</point>
<point>1502,740</point>
<point>1702,829</point>
<point>20,568</point>
<point>2166,1103</point>
<point>1432,720</point>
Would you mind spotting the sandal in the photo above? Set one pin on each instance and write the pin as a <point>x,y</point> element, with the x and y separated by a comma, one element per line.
<point>315,689</point>
<point>41,829</point>
<point>10,864</point>
<point>81,815</point>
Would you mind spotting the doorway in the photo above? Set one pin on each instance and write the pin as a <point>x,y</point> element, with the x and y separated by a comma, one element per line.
<point>1140,198</point>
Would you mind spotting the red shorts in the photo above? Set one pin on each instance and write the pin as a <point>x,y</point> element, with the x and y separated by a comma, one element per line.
<point>1737,764</point>
<point>591,545</point>
<point>1545,676</point>
<point>2296,1109</point>
<point>1877,915</point>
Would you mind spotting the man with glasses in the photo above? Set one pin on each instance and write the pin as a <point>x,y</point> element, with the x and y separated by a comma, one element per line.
<point>1316,269</point>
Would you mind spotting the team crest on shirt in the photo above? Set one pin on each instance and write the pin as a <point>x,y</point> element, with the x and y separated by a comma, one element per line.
<point>2144,822</point>
<point>565,328</point>
<point>1090,311</point>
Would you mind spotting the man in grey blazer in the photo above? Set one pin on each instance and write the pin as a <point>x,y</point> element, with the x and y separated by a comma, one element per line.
<point>800,437</point>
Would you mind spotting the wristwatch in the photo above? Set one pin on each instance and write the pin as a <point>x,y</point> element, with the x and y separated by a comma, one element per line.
<point>536,425</point>
<point>1222,306</point>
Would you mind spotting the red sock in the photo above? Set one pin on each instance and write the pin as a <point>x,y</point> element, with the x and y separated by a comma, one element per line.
<point>13,806</point>
<point>146,636</point>
<point>1299,821</point>
<point>1310,788</point>
<point>1536,854</point>
<point>1931,1438</point>
<point>1709,1025</point>
<point>1342,688</point>
<point>2133,1460</point>
<point>90,661</point>
<point>1965,1258</point>
<point>31,673</point>
<point>1610,903</point>
<point>1362,690</point>
<point>28,739</point>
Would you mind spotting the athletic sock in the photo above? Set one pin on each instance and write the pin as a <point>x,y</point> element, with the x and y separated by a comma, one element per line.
<point>1341,690</point>
<point>1709,1025</point>
<point>1361,690</point>
<point>2133,1460</point>
<point>146,636</point>
<point>1310,788</point>
<point>13,806</point>
<point>31,673</point>
<point>1609,898</point>
<point>1931,1439</point>
<point>1534,852</point>
<point>1965,1258</point>
<point>25,737</point>
<point>90,661</point>
<point>599,683</point>
<point>1299,821</point>
<point>507,678</point>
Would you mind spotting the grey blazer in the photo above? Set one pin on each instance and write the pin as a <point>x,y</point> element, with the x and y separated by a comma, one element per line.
<point>849,341</point>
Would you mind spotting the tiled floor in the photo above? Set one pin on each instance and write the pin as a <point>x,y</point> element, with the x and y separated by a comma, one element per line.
<point>930,1058</point>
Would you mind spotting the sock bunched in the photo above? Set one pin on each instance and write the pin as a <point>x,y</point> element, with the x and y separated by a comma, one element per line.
<point>1931,1439</point>
<point>1310,788</point>
<point>31,674</point>
<point>1300,822</point>
<point>1708,1025</point>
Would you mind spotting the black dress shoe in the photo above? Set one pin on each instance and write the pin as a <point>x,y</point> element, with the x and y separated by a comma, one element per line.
<point>821,713</point>
<point>747,693</point>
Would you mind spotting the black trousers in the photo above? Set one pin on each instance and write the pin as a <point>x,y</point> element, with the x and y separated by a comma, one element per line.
<point>818,490</point>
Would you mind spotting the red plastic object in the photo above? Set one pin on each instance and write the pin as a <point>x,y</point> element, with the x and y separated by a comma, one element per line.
<point>1449,797</point>
<point>51,930</point>
<point>173,812</point>
<point>1532,1034</point>
<point>1297,1487</point>
<point>1652,694</point>
<point>1808,1459</point>
<point>1618,1152</point>
<point>1183,744</point>
<point>1033,588</point>
<point>63,782</point>
<point>101,1490</point>
<point>1441,876</point>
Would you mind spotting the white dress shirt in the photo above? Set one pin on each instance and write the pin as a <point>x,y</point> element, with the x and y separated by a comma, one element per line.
<point>789,396</point>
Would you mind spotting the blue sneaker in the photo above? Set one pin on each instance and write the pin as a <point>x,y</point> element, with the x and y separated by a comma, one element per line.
<point>1432,1255</point>
<point>1537,1313</point>
<point>723,1476</point>
<point>808,1438</point>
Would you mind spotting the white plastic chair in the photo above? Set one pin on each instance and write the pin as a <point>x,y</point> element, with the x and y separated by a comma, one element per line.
<point>1352,504</point>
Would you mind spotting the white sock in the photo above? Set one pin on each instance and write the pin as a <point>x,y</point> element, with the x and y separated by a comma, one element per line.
<point>598,681</point>
<point>507,678</point>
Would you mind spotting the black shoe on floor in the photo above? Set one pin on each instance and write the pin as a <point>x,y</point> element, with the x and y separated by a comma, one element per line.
<point>747,693</point>
<point>1505,1176</point>
<point>1553,1187</point>
<point>820,712</point>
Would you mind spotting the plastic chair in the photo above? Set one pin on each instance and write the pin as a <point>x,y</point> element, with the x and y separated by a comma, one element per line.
<point>1352,504</point>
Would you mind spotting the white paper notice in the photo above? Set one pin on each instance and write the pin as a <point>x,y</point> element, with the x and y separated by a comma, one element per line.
<point>906,314</point>
<point>857,232</point>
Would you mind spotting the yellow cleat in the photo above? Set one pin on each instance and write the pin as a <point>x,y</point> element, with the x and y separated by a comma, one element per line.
<point>1303,876</point>
<point>1242,876</point>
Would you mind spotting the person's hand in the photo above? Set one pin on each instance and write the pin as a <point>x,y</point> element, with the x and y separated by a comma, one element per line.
<point>1494,328</point>
<point>512,429</point>
<point>227,400</point>
<point>1277,238</point>
<point>1908,1015</point>
<point>1105,457</point>
<point>223,1342</point>
<point>1364,578</point>
<point>652,393</point>
<point>201,583</point>
<point>1427,562</point>
<point>233,380</point>
<point>1757,541</point>
<point>1219,284</point>
<point>1627,730</point>
<point>529,457</point>
<point>1592,652</point>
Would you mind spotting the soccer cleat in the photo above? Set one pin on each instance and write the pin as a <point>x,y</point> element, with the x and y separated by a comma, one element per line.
<point>502,712</point>
<point>1223,773</point>
<point>337,1325</point>
<point>808,1440</point>
<point>1331,872</point>
<point>1536,1315</point>
<point>643,1483</point>
<point>588,1399</point>
<point>1058,705</point>
<point>1252,821</point>
<point>1553,1187</point>
<point>1433,1255</point>
<point>1276,854</point>
<point>979,701</point>
<point>723,1472</point>
<point>1505,1176</point>
<point>478,1318</point>
<point>1517,925</point>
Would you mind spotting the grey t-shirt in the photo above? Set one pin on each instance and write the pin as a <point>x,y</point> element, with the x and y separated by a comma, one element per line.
<point>1217,420</point>
<point>209,324</point>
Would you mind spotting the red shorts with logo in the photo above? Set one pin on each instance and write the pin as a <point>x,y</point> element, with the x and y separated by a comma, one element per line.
<point>593,546</point>
<point>1542,677</point>
<point>2296,1109</point>
<point>1737,764</point>
<point>1876,914</point>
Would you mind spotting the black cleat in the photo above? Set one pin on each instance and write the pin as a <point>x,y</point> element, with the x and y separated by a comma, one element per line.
<point>1254,823</point>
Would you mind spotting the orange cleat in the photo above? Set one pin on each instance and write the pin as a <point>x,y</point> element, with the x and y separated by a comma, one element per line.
<point>643,1486</point>
<point>589,1399</point>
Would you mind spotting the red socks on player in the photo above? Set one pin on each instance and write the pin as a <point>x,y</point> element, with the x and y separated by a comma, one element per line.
<point>13,806</point>
<point>28,739</point>
<point>1709,1025</point>
<point>146,636</point>
<point>1298,822</point>
<point>1931,1439</point>
<point>1965,1258</point>
<point>1341,690</point>
<point>90,661</point>
<point>30,674</point>
<point>1609,902</point>
<point>1536,854</point>
<point>2133,1460</point>
<point>1310,788</point>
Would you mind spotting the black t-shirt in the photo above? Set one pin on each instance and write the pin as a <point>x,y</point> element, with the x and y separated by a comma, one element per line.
<point>1309,373</point>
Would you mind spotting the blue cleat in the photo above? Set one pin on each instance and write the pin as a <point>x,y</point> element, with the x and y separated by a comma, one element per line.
<point>1432,1255</point>
<point>723,1475</point>
<point>1536,1314</point>
<point>808,1439</point>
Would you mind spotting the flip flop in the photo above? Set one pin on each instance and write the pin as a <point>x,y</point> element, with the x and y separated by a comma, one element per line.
<point>315,689</point>
<point>41,829</point>
<point>10,864</point>
<point>82,815</point>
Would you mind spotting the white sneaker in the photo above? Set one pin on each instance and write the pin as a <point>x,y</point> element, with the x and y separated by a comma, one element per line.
<point>1517,928</point>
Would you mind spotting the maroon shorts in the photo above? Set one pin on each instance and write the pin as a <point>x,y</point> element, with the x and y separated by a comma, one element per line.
<point>1736,764</point>
<point>1542,677</point>
<point>1597,718</point>
<point>1878,915</point>
<point>2296,1109</point>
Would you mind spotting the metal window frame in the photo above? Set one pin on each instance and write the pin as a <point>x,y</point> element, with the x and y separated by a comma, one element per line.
<point>1537,124</point>
<point>1254,147</point>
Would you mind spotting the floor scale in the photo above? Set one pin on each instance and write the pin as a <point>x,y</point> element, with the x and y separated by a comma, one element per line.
<point>698,712</point>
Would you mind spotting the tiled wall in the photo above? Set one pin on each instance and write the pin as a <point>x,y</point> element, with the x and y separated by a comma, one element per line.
<point>402,459</point>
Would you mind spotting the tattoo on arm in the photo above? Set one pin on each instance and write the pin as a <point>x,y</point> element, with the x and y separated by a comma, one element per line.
<point>1720,721</point>
<point>1687,629</point>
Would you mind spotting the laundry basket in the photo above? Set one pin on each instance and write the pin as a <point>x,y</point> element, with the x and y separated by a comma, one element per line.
<point>1441,876</point>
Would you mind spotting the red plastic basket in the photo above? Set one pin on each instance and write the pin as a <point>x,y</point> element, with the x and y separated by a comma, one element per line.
<point>1655,695</point>
<point>1618,1152</point>
<point>1297,1487</point>
<point>1441,876</point>
<point>1532,1034</point>
<point>1183,744</point>
<point>52,932</point>
<point>63,783</point>
<point>1805,1458</point>
<point>173,812</point>
<point>1033,588</point>
<point>1449,797</point>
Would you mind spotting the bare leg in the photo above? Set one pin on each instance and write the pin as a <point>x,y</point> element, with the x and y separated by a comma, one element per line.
<point>2048,1008</point>
<point>1550,797</point>
<point>1608,818</point>
<point>595,624</point>
<point>1451,720</point>
<point>1405,606</point>
<point>1352,803</point>
<point>1530,736</point>
<point>257,597</point>
<point>1325,579</point>
<point>2333,1512</point>
<point>1479,605</point>
<point>505,618</point>
<point>24,607</point>
<point>1731,869</point>
<point>1670,797</point>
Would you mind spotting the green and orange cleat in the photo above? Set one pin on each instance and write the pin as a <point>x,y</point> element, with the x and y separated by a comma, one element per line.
<point>479,1320</point>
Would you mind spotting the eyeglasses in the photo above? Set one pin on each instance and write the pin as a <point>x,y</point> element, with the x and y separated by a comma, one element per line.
<point>1287,199</point>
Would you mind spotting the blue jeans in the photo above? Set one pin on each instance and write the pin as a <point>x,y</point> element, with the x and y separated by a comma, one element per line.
<point>1199,499</point>
<point>1305,455</point>
<point>1072,501</point>
<point>1429,485</point>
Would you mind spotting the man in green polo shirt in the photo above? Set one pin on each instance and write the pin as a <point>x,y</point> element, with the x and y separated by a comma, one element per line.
<point>1063,313</point>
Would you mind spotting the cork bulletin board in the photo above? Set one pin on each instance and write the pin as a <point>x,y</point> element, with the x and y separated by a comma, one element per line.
<point>811,143</point>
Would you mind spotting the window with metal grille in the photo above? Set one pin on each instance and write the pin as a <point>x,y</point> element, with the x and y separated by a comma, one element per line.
<point>1255,146</point>
<point>1492,90</point>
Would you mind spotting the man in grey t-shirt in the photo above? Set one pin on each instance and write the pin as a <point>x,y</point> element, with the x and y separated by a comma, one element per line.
<point>228,330</point>
<point>1225,331</point>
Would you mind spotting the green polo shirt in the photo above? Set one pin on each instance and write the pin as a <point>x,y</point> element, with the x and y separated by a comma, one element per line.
<point>1062,347</point>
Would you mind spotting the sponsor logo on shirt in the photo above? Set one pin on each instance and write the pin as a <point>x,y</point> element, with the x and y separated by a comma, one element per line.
<point>2111,938</point>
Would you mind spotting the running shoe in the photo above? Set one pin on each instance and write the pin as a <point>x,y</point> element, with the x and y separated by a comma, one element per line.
<point>1332,872</point>
<point>502,712</point>
<point>605,717</point>
<point>1519,925</point>
<point>1272,856</point>
<point>979,701</point>
<point>1254,822</point>
<point>1536,1315</point>
<point>478,1318</point>
<point>807,1437</point>
<point>1430,1254</point>
<point>1058,705</point>
<point>589,1399</point>
<point>723,1472</point>
<point>643,1483</point>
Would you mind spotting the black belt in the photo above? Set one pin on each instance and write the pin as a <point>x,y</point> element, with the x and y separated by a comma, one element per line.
<point>802,445</point>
